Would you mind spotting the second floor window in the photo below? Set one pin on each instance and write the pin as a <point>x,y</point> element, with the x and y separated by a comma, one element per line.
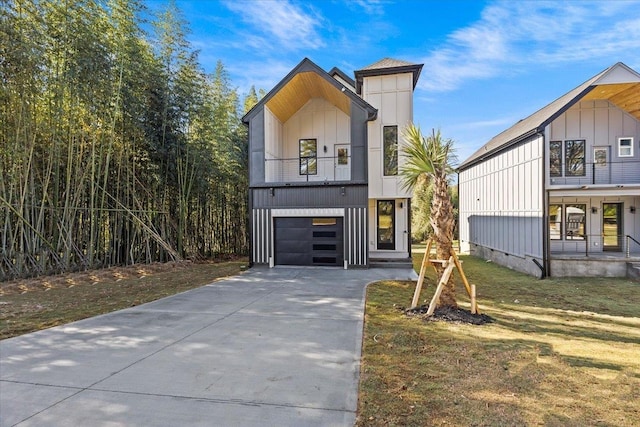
<point>625,147</point>
<point>308,157</point>
<point>390,148</point>
<point>570,152</point>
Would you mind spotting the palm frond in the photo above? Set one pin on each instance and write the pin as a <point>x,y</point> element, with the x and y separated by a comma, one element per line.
<point>431,156</point>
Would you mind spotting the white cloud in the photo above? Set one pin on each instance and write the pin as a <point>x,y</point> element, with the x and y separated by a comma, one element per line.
<point>259,73</point>
<point>279,24</point>
<point>370,7</point>
<point>514,35</point>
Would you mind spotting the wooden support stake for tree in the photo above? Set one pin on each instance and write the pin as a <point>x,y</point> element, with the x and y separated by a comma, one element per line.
<point>474,305</point>
<point>443,280</point>
<point>423,270</point>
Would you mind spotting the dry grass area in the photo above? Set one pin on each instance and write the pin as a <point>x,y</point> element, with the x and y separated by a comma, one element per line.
<point>29,305</point>
<point>561,352</point>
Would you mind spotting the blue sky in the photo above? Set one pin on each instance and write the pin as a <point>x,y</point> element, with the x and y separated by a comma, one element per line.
<point>487,64</point>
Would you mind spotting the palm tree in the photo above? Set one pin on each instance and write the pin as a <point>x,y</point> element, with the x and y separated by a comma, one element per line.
<point>431,159</point>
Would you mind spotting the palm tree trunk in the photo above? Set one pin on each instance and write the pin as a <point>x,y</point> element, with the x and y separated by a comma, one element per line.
<point>442,221</point>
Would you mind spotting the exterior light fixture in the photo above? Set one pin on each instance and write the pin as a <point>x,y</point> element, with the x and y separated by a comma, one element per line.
<point>632,209</point>
<point>594,210</point>
<point>342,191</point>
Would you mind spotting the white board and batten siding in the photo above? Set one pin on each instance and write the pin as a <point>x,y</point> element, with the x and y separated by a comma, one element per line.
<point>321,120</point>
<point>599,123</point>
<point>392,95</point>
<point>317,119</point>
<point>501,205</point>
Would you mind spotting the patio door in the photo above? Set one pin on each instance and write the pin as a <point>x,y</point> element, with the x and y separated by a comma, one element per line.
<point>385,224</point>
<point>612,227</point>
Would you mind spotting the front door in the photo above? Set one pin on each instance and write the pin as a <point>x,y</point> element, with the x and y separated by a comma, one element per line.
<point>386,229</point>
<point>342,162</point>
<point>612,227</point>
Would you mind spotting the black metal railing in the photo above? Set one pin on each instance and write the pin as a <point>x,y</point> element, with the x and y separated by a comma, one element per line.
<point>606,243</point>
<point>619,173</point>
<point>308,168</point>
<point>630,239</point>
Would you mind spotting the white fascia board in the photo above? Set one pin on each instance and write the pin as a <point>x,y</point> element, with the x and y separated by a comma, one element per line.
<point>308,212</point>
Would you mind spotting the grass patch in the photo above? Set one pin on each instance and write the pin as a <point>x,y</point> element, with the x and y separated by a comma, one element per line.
<point>34,304</point>
<point>562,352</point>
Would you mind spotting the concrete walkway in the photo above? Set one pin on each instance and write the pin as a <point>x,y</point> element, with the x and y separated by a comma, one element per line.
<point>269,347</point>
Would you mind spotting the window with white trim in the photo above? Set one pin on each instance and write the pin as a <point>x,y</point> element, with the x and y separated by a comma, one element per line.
<point>625,147</point>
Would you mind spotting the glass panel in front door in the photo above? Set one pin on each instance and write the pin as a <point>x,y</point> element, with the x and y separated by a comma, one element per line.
<point>612,227</point>
<point>385,224</point>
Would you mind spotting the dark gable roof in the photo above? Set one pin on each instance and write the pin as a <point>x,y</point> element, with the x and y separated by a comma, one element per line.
<point>306,65</point>
<point>337,71</point>
<point>536,122</point>
<point>388,66</point>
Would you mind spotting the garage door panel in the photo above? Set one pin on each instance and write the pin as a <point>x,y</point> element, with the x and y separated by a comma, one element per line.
<point>309,241</point>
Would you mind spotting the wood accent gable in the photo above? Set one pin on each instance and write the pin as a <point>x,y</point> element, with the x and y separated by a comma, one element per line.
<point>300,89</point>
<point>625,96</point>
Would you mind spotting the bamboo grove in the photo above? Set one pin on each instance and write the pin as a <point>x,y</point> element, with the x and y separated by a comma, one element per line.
<point>115,146</point>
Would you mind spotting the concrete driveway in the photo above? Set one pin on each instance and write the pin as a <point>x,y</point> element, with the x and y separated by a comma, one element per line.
<point>269,347</point>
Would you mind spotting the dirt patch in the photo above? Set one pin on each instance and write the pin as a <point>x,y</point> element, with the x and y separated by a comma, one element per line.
<point>89,277</point>
<point>447,314</point>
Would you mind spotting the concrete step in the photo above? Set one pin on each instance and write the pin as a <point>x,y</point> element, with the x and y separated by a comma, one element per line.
<point>633,270</point>
<point>390,263</point>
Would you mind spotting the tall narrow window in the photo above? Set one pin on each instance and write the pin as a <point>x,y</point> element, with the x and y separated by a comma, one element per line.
<point>625,147</point>
<point>308,157</point>
<point>390,147</point>
<point>555,222</point>
<point>574,158</point>
<point>555,158</point>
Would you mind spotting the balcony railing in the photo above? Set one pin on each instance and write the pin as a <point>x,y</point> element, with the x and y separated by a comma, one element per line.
<point>308,169</point>
<point>597,244</point>
<point>618,173</point>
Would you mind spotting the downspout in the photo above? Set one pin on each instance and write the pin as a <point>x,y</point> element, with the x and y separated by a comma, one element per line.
<point>546,243</point>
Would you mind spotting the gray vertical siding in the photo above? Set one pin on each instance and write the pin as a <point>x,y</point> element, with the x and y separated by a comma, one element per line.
<point>256,148</point>
<point>358,143</point>
<point>501,206</point>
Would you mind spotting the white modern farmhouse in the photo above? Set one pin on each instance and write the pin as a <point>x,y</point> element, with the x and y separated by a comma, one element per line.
<point>558,193</point>
<point>323,167</point>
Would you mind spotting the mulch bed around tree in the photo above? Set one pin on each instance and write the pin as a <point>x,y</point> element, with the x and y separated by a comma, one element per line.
<point>448,314</point>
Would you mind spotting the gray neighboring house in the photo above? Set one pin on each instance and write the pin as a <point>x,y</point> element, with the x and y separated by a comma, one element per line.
<point>558,193</point>
<point>323,167</point>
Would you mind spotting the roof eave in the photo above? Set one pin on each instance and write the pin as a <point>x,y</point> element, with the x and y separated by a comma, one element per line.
<point>414,69</point>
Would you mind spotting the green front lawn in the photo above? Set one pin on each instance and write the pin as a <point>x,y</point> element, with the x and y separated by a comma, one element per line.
<point>561,352</point>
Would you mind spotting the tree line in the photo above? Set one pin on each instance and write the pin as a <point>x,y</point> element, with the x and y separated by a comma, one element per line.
<point>115,146</point>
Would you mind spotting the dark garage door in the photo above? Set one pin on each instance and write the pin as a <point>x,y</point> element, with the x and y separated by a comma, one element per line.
<point>308,241</point>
